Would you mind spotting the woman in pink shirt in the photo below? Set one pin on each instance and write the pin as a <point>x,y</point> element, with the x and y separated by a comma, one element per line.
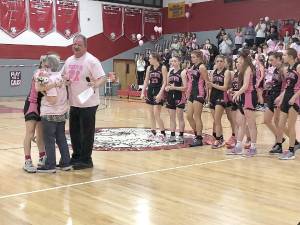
<point>54,112</point>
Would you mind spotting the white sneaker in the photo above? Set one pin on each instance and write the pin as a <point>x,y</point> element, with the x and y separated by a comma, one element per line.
<point>160,138</point>
<point>28,166</point>
<point>172,139</point>
<point>42,161</point>
<point>180,139</point>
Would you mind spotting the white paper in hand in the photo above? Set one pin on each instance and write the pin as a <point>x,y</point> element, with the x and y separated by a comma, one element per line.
<point>85,95</point>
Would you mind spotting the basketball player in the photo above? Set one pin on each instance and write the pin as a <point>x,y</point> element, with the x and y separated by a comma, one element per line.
<point>176,88</point>
<point>246,97</point>
<point>218,97</point>
<point>289,102</point>
<point>154,84</point>
<point>197,75</point>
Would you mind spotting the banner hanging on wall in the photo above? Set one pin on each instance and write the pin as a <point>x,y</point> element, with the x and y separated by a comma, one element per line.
<point>112,17</point>
<point>67,17</point>
<point>151,19</point>
<point>41,17</point>
<point>176,10</point>
<point>133,23</point>
<point>13,17</point>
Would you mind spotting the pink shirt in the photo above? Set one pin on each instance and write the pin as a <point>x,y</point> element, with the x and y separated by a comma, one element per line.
<point>76,70</point>
<point>61,105</point>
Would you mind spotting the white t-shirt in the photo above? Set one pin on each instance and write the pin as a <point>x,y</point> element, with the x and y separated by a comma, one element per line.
<point>61,105</point>
<point>140,65</point>
<point>76,70</point>
<point>261,32</point>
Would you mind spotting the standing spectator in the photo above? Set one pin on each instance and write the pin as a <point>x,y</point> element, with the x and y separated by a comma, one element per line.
<point>249,34</point>
<point>83,70</point>
<point>297,26</point>
<point>286,27</point>
<point>260,32</point>
<point>238,40</point>
<point>287,39</point>
<point>225,46</point>
<point>140,68</point>
<point>296,34</point>
<point>220,35</point>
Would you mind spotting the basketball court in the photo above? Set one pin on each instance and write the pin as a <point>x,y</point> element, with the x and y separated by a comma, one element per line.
<point>154,186</point>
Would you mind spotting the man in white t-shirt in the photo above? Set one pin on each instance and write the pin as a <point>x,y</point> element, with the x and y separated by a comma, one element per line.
<point>82,70</point>
<point>260,32</point>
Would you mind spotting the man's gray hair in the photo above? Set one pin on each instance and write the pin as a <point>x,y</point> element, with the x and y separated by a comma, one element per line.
<point>53,62</point>
<point>82,37</point>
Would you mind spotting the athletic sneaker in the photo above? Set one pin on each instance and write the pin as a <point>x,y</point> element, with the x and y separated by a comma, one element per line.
<point>160,138</point>
<point>287,155</point>
<point>250,152</point>
<point>42,161</point>
<point>64,168</point>
<point>196,142</point>
<point>247,145</point>
<point>151,137</point>
<point>218,144</point>
<point>235,151</point>
<point>231,142</point>
<point>180,139</point>
<point>276,149</point>
<point>172,139</point>
<point>44,169</point>
<point>297,147</point>
<point>28,166</point>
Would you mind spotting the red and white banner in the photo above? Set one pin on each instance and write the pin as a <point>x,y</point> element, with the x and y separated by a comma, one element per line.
<point>13,18</point>
<point>112,17</point>
<point>41,17</point>
<point>67,17</point>
<point>133,23</point>
<point>152,19</point>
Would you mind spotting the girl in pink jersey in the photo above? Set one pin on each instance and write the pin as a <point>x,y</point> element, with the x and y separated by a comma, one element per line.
<point>197,75</point>
<point>246,98</point>
<point>33,123</point>
<point>260,76</point>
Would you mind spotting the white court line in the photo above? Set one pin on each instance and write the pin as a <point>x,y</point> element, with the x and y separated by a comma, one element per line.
<point>118,177</point>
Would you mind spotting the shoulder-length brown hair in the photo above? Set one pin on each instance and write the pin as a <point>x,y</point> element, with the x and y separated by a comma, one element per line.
<point>245,55</point>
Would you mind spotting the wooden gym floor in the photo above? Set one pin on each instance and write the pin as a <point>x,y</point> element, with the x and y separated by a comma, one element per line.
<point>195,186</point>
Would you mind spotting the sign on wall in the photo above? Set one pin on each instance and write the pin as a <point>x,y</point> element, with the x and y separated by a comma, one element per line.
<point>67,18</point>
<point>41,17</point>
<point>133,23</point>
<point>13,17</point>
<point>15,78</point>
<point>176,10</point>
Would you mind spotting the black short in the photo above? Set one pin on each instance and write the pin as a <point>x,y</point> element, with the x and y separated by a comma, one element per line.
<point>152,92</point>
<point>34,114</point>
<point>234,106</point>
<point>214,102</point>
<point>173,105</point>
<point>285,106</point>
<point>270,100</point>
<point>197,98</point>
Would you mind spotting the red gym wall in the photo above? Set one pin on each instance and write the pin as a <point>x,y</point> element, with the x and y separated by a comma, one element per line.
<point>205,16</point>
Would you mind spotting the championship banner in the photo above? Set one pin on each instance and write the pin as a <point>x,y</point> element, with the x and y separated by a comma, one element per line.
<point>176,10</point>
<point>133,23</point>
<point>41,17</point>
<point>112,17</point>
<point>67,18</point>
<point>13,18</point>
<point>152,19</point>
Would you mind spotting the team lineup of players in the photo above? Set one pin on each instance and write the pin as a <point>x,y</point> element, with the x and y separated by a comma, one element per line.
<point>233,86</point>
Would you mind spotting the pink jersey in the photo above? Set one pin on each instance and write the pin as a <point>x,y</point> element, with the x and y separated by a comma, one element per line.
<point>61,105</point>
<point>77,70</point>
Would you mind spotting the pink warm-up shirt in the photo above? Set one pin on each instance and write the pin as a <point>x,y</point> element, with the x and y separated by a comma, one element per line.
<point>76,70</point>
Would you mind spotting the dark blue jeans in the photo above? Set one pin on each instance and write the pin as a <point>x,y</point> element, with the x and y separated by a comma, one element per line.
<point>55,132</point>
